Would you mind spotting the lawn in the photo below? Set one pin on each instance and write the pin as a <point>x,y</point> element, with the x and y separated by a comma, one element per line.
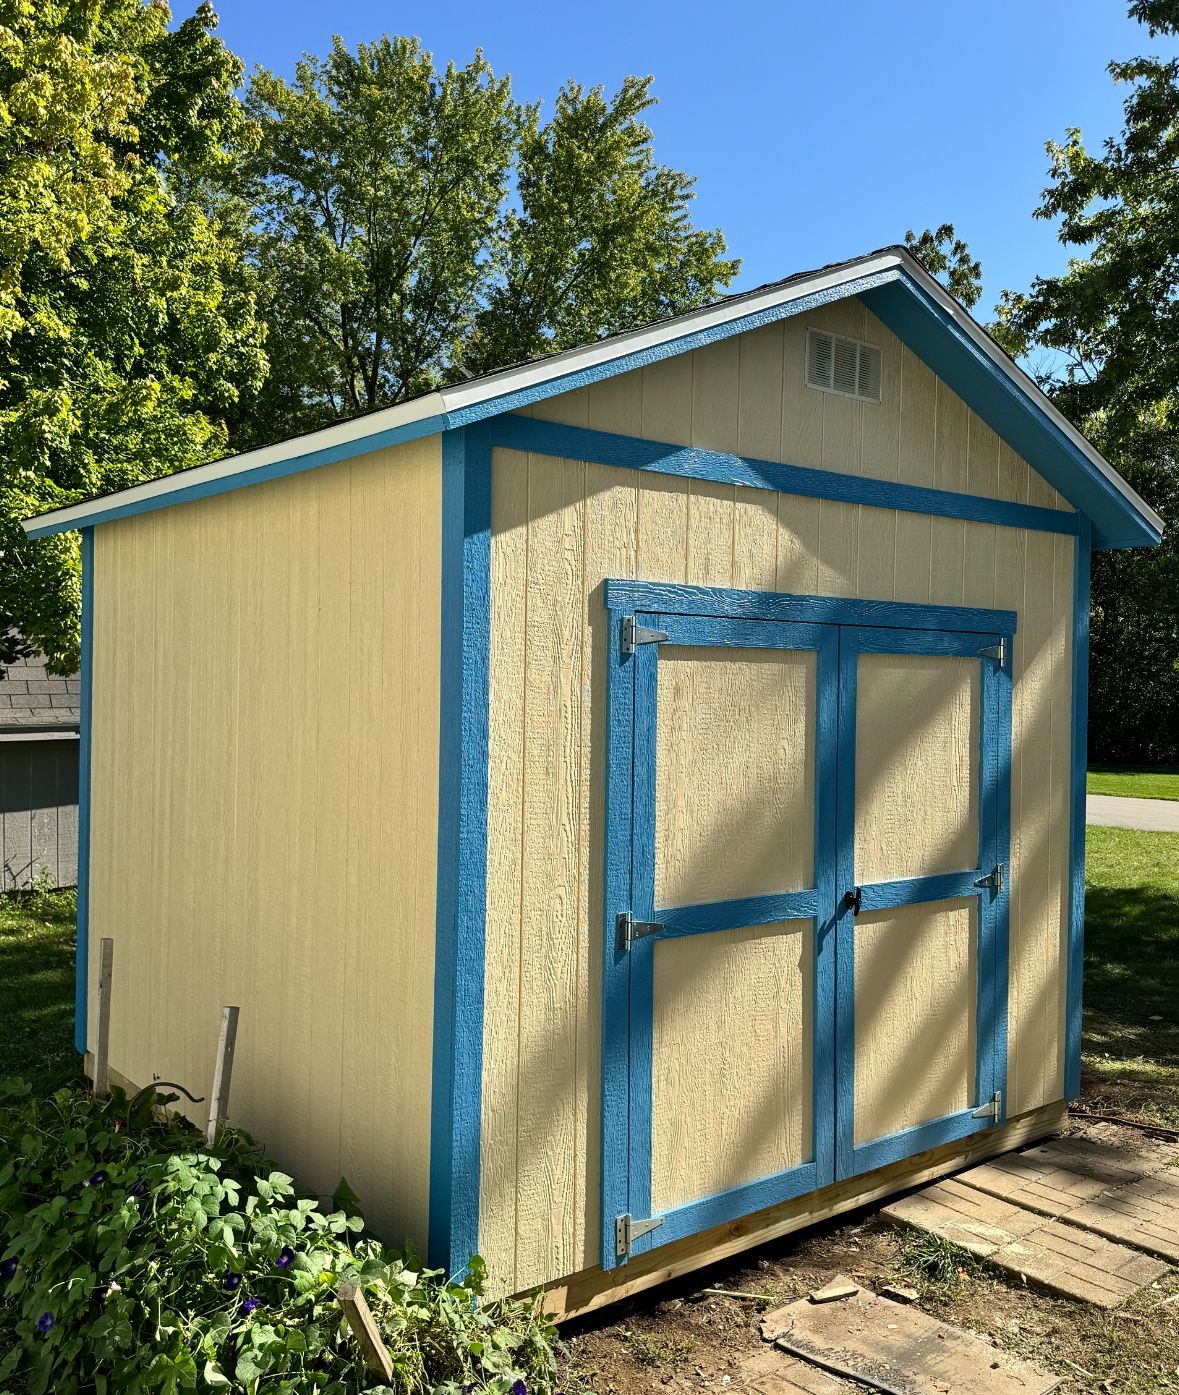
<point>37,987</point>
<point>1131,1030</point>
<point>1162,783</point>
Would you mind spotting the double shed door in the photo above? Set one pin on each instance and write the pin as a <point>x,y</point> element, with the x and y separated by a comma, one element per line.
<point>806,897</point>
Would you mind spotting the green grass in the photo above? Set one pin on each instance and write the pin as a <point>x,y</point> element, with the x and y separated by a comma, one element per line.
<point>36,987</point>
<point>1162,783</point>
<point>1131,1060</point>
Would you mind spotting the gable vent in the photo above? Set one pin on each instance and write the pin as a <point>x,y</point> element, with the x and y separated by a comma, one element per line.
<point>846,366</point>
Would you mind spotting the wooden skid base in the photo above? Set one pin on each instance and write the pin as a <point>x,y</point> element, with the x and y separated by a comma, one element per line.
<point>595,1288</point>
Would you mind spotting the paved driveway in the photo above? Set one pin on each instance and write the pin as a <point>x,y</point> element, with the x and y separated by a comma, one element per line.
<point>1118,811</point>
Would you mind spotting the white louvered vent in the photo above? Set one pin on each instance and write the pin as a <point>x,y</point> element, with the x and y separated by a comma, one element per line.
<point>846,366</point>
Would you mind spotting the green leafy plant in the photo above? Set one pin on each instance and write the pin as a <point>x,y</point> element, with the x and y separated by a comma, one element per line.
<point>133,1260</point>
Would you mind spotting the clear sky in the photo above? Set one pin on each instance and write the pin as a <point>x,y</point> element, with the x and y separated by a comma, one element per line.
<point>815,131</point>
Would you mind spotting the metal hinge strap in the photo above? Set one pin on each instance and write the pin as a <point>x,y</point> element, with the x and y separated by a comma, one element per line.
<point>997,652</point>
<point>993,1109</point>
<point>630,929</point>
<point>634,634</point>
<point>993,879</point>
<point>627,1230</point>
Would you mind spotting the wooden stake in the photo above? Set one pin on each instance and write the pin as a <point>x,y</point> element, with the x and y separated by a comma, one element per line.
<point>364,1329</point>
<point>102,1044</point>
<point>222,1073</point>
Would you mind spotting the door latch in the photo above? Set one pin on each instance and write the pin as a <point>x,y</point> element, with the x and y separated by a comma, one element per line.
<point>853,900</point>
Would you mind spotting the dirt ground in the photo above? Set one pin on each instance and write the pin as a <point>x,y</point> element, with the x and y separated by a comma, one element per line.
<point>683,1337</point>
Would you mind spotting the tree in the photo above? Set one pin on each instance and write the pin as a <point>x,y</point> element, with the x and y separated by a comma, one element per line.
<point>944,255</point>
<point>415,226</point>
<point>126,330</point>
<point>1110,326</point>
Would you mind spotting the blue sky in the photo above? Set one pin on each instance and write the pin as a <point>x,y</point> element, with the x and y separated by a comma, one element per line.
<point>815,131</point>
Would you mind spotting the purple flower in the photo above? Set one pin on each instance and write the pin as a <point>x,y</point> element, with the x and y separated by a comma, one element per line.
<point>140,1188</point>
<point>518,1388</point>
<point>250,1304</point>
<point>232,1281</point>
<point>286,1257</point>
<point>45,1323</point>
<point>96,1180</point>
<point>8,1268</point>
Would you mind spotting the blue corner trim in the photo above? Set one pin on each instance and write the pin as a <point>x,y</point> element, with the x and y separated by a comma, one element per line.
<point>629,452</point>
<point>462,851</point>
<point>86,704</point>
<point>1080,747</point>
<point>1009,409</point>
<point>672,599</point>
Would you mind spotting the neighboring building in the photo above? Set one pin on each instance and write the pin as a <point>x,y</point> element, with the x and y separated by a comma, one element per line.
<point>636,798</point>
<point>38,775</point>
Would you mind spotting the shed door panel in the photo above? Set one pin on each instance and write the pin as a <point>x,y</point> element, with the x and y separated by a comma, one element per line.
<point>731,1056</point>
<point>917,765</point>
<point>734,773</point>
<point>916,987</point>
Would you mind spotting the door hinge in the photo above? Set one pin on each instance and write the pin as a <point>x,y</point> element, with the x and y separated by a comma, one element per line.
<point>634,634</point>
<point>998,652</point>
<point>993,1109</point>
<point>627,1230</point>
<point>993,879</point>
<point>630,929</point>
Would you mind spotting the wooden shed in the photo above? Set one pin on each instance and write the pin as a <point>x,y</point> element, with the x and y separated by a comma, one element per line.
<point>636,797</point>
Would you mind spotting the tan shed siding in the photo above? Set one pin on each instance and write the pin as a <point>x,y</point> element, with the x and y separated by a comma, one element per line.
<point>559,528</point>
<point>264,810</point>
<point>748,395</point>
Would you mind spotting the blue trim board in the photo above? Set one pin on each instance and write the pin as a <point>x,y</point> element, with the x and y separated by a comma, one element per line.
<point>462,851</point>
<point>668,599</point>
<point>1080,749</point>
<point>86,705</point>
<point>629,452</point>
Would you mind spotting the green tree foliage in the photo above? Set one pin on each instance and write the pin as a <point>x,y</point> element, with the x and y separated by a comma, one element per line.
<point>944,255</point>
<point>415,226</point>
<point>1106,336</point>
<point>126,327</point>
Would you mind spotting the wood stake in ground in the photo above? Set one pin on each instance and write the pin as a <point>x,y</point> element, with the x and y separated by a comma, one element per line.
<point>364,1330</point>
<point>222,1073</point>
<point>102,1045</point>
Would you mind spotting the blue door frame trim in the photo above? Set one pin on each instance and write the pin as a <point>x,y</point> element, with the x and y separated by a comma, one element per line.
<point>714,616</point>
<point>993,908</point>
<point>630,452</point>
<point>628,975</point>
<point>85,719</point>
<point>672,599</point>
<point>457,1087</point>
<point>1080,749</point>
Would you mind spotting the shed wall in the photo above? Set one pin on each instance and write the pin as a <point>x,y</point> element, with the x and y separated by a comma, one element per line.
<point>559,528</point>
<point>39,811</point>
<point>264,810</point>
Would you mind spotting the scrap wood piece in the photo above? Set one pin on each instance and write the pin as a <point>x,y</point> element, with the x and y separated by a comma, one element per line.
<point>894,1347</point>
<point>839,1287</point>
<point>373,1351</point>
